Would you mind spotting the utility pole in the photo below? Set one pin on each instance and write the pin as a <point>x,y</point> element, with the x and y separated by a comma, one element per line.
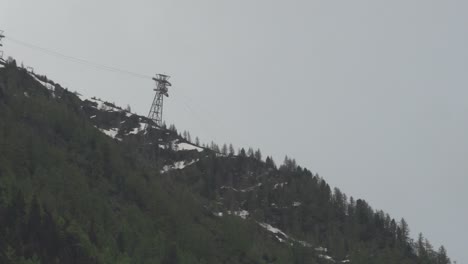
<point>161,89</point>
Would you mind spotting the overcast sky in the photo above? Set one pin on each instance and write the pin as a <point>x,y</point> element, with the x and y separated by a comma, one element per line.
<point>372,95</point>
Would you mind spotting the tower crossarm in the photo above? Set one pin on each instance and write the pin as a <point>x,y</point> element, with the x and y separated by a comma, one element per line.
<point>161,89</point>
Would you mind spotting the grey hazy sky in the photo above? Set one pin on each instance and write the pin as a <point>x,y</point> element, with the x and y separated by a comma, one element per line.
<point>372,94</point>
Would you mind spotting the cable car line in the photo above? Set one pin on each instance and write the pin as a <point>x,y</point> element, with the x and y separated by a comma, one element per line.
<point>78,60</point>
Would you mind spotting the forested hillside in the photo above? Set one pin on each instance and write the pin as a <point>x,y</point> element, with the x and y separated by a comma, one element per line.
<point>85,181</point>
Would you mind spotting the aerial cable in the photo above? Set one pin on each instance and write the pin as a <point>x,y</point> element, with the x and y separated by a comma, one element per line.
<point>189,101</point>
<point>78,60</point>
<point>99,66</point>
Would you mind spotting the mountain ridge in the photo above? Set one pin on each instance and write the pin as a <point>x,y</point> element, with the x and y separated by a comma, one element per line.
<point>293,214</point>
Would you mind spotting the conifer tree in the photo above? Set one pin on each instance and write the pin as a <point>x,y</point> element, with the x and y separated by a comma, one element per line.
<point>224,149</point>
<point>270,162</point>
<point>250,153</point>
<point>442,256</point>
<point>258,155</point>
<point>231,150</point>
<point>242,153</point>
<point>404,231</point>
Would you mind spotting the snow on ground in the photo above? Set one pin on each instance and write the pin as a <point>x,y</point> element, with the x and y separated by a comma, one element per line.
<point>47,85</point>
<point>275,231</point>
<point>321,249</point>
<point>281,236</point>
<point>178,165</point>
<point>242,213</point>
<point>112,132</point>
<point>248,189</point>
<point>135,131</point>
<point>303,243</point>
<point>101,105</point>
<point>229,187</point>
<point>138,129</point>
<point>326,257</point>
<point>186,146</point>
<point>279,185</point>
<point>296,204</point>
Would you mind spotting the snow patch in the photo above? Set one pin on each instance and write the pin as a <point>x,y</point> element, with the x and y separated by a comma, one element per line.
<point>296,204</point>
<point>47,85</point>
<point>321,249</point>
<point>326,257</point>
<point>137,129</point>
<point>279,185</point>
<point>303,243</point>
<point>282,238</point>
<point>178,165</point>
<point>242,214</point>
<point>218,214</point>
<point>112,132</point>
<point>104,106</point>
<point>187,146</point>
<point>248,189</point>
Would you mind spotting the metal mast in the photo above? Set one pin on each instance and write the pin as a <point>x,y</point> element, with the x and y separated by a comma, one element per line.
<point>161,89</point>
<point>1,45</point>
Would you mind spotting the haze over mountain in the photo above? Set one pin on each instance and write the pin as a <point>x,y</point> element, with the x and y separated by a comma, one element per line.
<point>364,92</point>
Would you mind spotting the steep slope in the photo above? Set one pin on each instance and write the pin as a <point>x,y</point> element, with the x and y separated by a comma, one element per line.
<point>84,181</point>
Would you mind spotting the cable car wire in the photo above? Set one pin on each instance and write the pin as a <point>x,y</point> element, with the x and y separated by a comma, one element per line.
<point>78,60</point>
<point>95,65</point>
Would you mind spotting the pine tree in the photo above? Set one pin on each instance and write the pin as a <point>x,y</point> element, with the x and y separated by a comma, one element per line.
<point>442,256</point>
<point>232,152</point>
<point>224,149</point>
<point>404,232</point>
<point>250,153</point>
<point>173,128</point>
<point>258,155</point>
<point>421,249</point>
<point>242,153</point>
<point>270,162</point>
<point>214,147</point>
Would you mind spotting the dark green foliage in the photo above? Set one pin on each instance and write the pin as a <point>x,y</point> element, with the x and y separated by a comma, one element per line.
<point>70,194</point>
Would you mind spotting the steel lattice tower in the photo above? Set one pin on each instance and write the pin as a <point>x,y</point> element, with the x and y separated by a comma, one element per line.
<point>1,36</point>
<point>161,89</point>
<point>1,45</point>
